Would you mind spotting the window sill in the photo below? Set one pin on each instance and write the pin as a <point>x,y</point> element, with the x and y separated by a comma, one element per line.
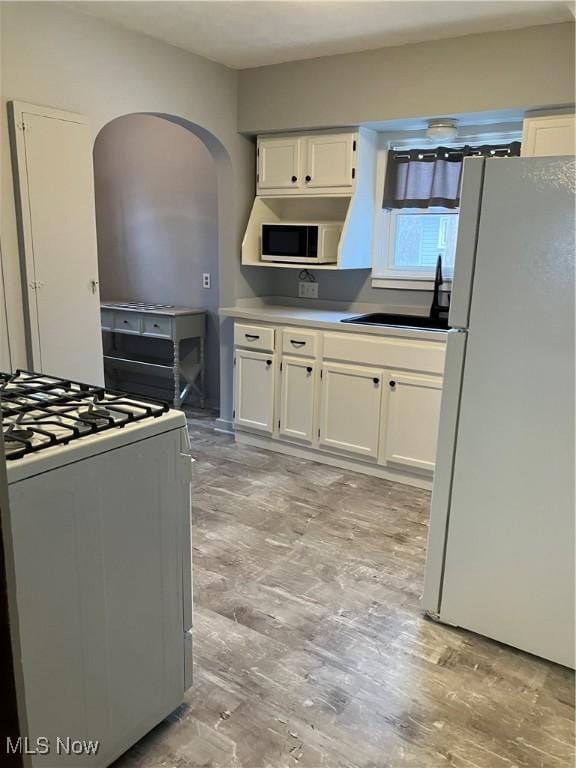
<point>410,284</point>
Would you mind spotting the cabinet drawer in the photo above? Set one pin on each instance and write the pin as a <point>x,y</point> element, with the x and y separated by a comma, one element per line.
<point>127,322</point>
<point>254,337</point>
<point>106,319</point>
<point>298,342</point>
<point>385,352</point>
<point>157,325</point>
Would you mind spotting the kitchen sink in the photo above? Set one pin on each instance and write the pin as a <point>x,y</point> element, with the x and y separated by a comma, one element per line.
<point>400,321</point>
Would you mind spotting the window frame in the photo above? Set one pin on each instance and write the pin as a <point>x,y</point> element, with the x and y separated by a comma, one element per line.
<point>382,276</point>
<point>407,273</point>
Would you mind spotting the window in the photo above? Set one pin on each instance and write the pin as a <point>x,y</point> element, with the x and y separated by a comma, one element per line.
<point>418,220</point>
<point>417,237</point>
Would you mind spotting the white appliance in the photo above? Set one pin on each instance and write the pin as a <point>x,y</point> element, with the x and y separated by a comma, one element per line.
<point>99,534</point>
<point>300,242</point>
<point>501,544</point>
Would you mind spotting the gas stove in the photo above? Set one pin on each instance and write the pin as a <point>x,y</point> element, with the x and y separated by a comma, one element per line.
<point>40,411</point>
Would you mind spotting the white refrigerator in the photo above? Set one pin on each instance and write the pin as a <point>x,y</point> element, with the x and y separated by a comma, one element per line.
<point>501,544</point>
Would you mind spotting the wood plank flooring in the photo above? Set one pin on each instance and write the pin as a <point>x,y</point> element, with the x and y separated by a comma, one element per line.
<point>310,647</point>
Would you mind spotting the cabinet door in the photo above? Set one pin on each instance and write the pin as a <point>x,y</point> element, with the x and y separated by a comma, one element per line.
<point>549,136</point>
<point>329,160</point>
<point>254,390</point>
<point>279,162</point>
<point>413,409</point>
<point>350,408</point>
<point>297,398</point>
<point>55,178</point>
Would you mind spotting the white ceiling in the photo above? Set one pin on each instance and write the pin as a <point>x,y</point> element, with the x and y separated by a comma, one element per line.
<point>244,34</point>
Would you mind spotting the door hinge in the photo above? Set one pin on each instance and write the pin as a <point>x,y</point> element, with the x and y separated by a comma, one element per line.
<point>257,177</point>
<point>321,372</point>
<point>278,423</point>
<point>318,433</point>
<point>22,126</point>
<point>234,362</point>
<point>280,367</point>
<point>353,173</point>
<point>354,146</point>
<point>234,413</point>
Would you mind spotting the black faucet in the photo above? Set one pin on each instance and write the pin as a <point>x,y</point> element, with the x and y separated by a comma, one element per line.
<point>437,309</point>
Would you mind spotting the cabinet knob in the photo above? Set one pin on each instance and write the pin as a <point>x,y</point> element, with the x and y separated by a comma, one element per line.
<point>268,362</point>
<point>376,380</point>
<point>392,384</point>
<point>294,179</point>
<point>125,321</point>
<point>308,178</point>
<point>309,369</point>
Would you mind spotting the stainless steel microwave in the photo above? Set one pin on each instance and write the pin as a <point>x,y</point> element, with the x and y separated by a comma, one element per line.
<point>300,243</point>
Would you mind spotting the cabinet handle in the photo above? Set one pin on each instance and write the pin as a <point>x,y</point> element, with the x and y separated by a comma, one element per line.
<point>376,380</point>
<point>268,362</point>
<point>294,179</point>
<point>308,178</point>
<point>392,384</point>
<point>296,343</point>
<point>251,336</point>
<point>309,369</point>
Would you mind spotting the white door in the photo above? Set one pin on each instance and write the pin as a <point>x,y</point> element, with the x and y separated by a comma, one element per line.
<point>56,188</point>
<point>329,160</point>
<point>99,569</point>
<point>413,410</point>
<point>279,163</point>
<point>298,387</point>
<point>350,408</point>
<point>254,377</point>
<point>549,136</point>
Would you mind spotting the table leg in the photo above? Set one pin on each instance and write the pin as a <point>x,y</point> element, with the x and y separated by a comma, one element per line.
<point>177,401</point>
<point>202,373</point>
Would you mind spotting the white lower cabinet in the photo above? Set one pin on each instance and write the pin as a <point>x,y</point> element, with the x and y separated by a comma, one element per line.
<point>411,420</point>
<point>368,402</point>
<point>350,408</point>
<point>297,396</point>
<point>255,374</point>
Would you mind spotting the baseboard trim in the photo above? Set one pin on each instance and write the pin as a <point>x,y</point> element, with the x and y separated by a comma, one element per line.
<point>224,425</point>
<point>342,462</point>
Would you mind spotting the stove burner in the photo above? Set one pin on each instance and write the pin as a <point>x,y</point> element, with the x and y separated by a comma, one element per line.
<point>95,415</point>
<point>42,411</point>
<point>19,435</point>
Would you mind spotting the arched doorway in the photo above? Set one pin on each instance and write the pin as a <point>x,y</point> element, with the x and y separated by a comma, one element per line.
<point>157,182</point>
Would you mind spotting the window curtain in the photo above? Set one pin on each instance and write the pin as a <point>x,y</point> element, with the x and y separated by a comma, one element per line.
<point>420,178</point>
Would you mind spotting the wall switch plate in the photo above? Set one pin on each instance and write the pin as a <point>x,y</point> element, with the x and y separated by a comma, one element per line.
<point>307,290</point>
<point>206,280</point>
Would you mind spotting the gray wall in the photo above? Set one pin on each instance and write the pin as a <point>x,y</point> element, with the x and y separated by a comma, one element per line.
<point>157,219</point>
<point>53,56</point>
<point>518,69</point>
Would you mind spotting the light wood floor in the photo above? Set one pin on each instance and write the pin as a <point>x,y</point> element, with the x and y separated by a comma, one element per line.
<point>310,648</point>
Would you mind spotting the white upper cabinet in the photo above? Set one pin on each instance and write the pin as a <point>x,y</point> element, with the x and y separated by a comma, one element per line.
<point>330,161</point>
<point>551,135</point>
<point>279,163</point>
<point>307,163</point>
<point>413,409</point>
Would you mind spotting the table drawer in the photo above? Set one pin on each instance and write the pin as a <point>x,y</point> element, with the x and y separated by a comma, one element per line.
<point>254,337</point>
<point>127,322</point>
<point>296,341</point>
<point>106,319</point>
<point>157,325</point>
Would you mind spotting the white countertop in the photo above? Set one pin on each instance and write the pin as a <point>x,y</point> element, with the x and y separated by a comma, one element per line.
<point>330,320</point>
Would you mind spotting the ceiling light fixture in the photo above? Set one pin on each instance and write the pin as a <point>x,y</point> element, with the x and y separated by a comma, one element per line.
<point>442,129</point>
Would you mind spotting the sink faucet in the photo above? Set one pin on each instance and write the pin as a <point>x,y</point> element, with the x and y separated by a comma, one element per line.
<point>437,309</point>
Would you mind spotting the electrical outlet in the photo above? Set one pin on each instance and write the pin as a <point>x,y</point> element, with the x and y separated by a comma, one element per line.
<point>206,280</point>
<point>308,290</point>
